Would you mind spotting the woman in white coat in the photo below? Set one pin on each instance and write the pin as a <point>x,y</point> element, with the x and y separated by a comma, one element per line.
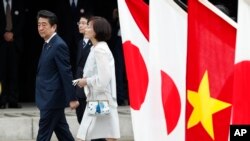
<point>99,84</point>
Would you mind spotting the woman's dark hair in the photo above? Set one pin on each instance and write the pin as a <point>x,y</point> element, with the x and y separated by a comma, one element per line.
<point>48,15</point>
<point>101,27</point>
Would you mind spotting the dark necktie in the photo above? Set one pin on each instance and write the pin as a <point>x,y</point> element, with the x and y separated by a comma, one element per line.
<point>73,10</point>
<point>45,47</point>
<point>8,17</point>
<point>83,43</point>
<point>73,6</point>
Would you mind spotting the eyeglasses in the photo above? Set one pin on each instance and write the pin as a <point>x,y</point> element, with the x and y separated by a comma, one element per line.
<point>78,23</point>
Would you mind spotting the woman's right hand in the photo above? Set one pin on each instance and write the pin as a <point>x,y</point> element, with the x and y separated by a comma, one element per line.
<point>82,82</point>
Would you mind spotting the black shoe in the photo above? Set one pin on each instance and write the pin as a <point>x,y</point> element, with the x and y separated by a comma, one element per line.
<point>2,106</point>
<point>98,140</point>
<point>121,103</point>
<point>15,105</point>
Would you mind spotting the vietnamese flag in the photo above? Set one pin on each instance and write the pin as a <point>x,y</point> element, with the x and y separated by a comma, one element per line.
<point>210,64</point>
<point>241,112</point>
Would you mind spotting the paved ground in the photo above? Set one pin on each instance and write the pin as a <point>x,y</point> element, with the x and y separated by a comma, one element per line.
<point>21,124</point>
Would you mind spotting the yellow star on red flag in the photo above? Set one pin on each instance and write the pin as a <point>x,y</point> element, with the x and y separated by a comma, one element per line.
<point>204,106</point>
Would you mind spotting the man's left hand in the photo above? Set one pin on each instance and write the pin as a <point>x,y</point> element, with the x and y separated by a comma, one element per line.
<point>73,104</point>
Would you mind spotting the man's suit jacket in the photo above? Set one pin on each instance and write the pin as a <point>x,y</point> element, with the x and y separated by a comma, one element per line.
<point>18,15</point>
<point>54,87</point>
<point>82,55</point>
<point>68,28</point>
<point>67,25</point>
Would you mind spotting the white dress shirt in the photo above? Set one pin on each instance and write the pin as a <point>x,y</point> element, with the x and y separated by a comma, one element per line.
<point>5,3</point>
<point>71,1</point>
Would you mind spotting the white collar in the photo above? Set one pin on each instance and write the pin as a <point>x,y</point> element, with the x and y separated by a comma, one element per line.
<point>50,37</point>
<point>5,3</point>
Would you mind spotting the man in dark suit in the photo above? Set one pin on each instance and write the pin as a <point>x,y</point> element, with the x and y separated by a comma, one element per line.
<point>11,41</point>
<point>82,55</point>
<point>69,12</point>
<point>54,90</point>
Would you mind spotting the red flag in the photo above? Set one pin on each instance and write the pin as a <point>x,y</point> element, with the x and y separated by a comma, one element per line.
<point>210,63</point>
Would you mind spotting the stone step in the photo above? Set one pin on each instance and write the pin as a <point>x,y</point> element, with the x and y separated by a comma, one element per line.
<point>22,124</point>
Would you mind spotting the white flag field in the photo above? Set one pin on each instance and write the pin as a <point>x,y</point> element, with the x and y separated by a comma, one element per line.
<point>168,39</point>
